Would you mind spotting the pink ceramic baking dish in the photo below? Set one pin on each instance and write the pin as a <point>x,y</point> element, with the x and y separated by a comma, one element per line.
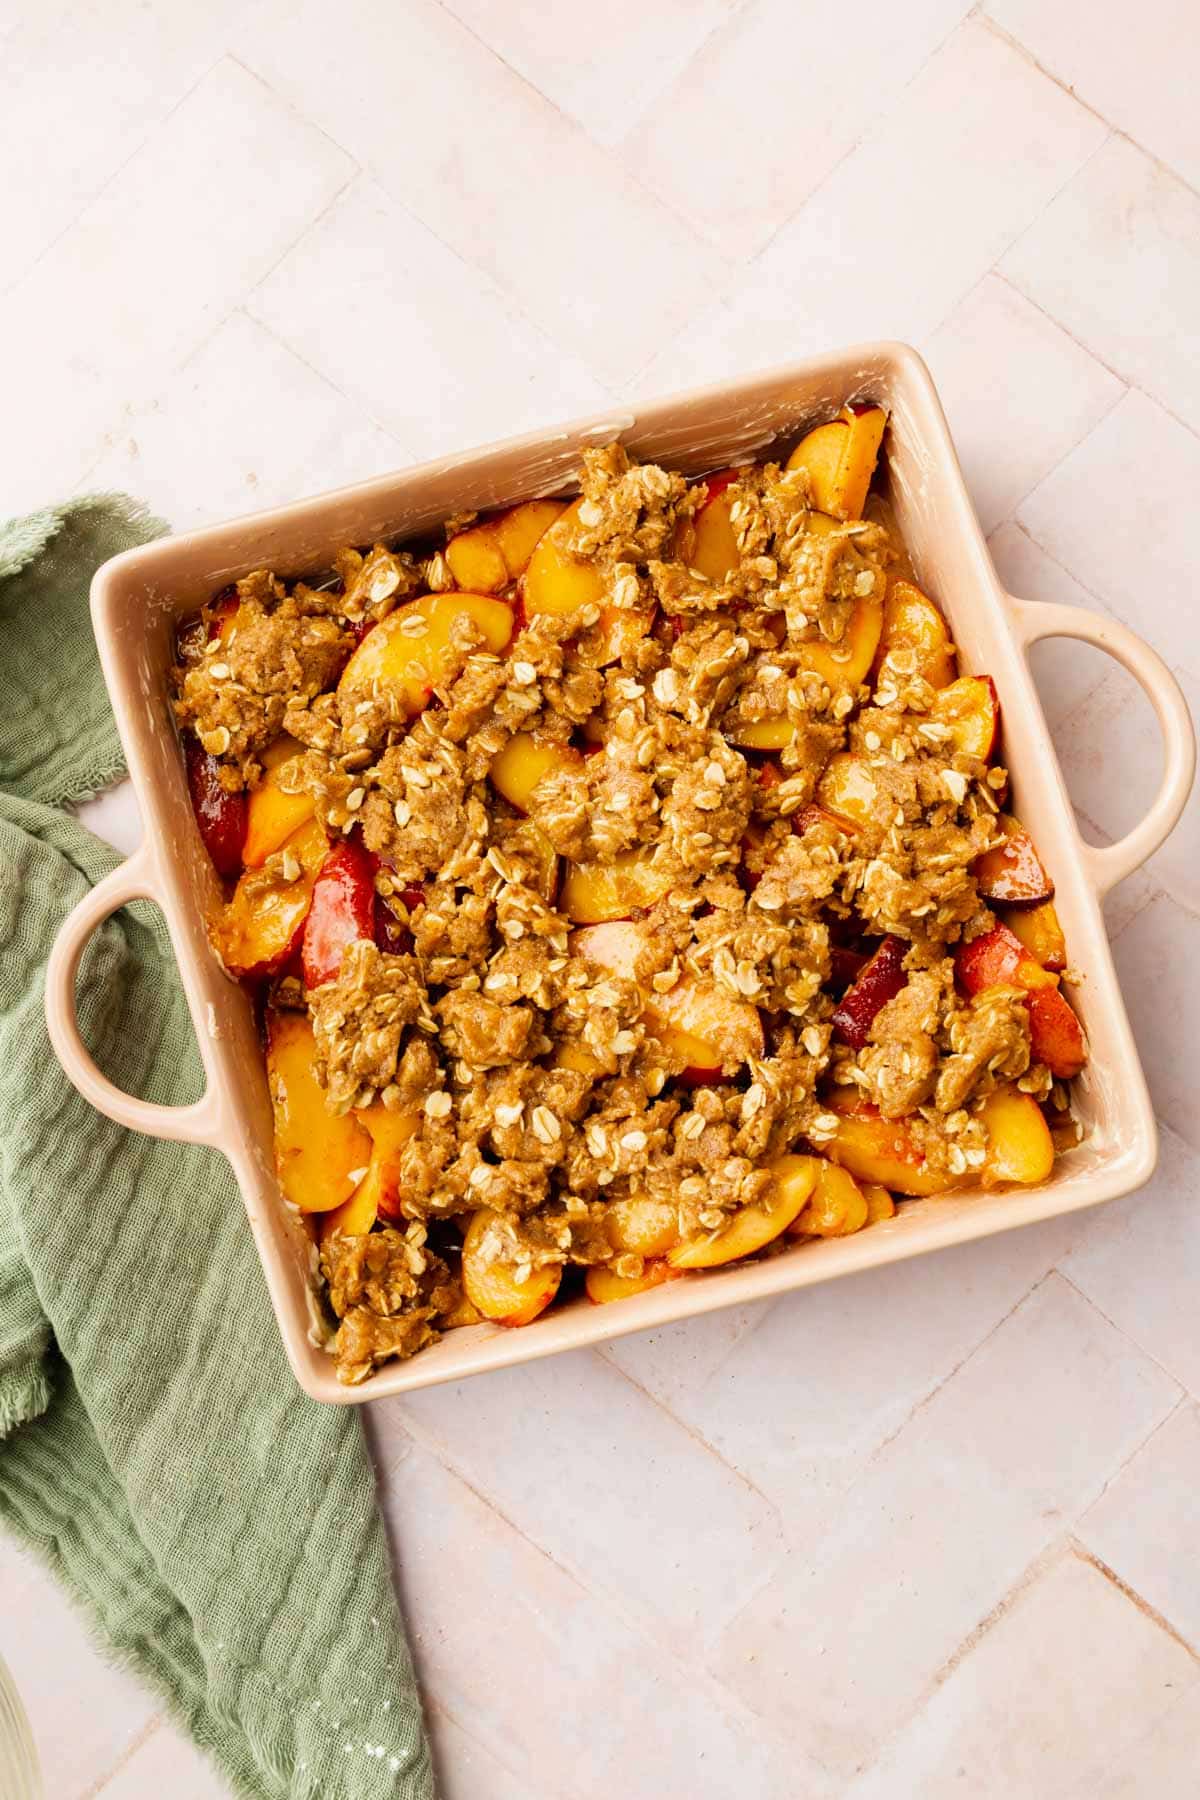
<point>137,598</point>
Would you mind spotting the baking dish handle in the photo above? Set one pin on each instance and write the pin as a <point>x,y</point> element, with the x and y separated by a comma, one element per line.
<point>195,1124</point>
<point>1114,862</point>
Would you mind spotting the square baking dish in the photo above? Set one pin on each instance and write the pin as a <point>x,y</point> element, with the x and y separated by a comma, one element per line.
<point>138,597</point>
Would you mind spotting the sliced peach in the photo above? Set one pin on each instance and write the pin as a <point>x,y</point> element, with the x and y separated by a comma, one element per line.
<point>593,892</point>
<point>794,1178</point>
<point>273,815</point>
<point>1055,1034</point>
<point>524,761</point>
<point>576,1055</point>
<point>256,932</point>
<point>320,1157</point>
<point>1019,1146</point>
<point>701,1025</point>
<point>880,1204</point>
<point>847,663</point>
<point>220,815</point>
<point>879,981</point>
<point>555,581</point>
<point>837,1206</point>
<point>492,1285</point>
<point>878,1150</point>
<point>1012,873</point>
<point>355,1217</point>
<point>495,551</point>
<point>848,790</point>
<point>839,460</point>
<point>709,544</point>
<point>999,958</point>
<point>1040,932</point>
<point>603,1284</point>
<point>417,645</point>
<point>970,709</point>
<point>389,1133</point>
<point>642,1226</point>
<point>342,911</point>
<point>911,621</point>
<point>764,734</point>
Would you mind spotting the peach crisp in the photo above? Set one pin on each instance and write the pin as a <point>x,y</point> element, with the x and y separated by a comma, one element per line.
<point>629,887</point>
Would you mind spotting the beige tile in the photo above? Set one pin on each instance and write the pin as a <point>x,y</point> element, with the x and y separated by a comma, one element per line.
<point>770,105</point>
<point>801,1402</point>
<point>675,1361</point>
<point>167,1764</point>
<point>150,269</point>
<point>65,129</point>
<point>1162,1764</point>
<point>517,190</point>
<point>916,215</point>
<point>1054,393</point>
<point>50,1655</point>
<point>1116,260</point>
<point>842,1646</point>
<point>201,451</point>
<point>1146,1523</point>
<point>1110,749</point>
<point>605,74</point>
<point>497,1629</point>
<point>1066,672</point>
<point>1136,71</point>
<point>1117,513</point>
<point>1138,1260</point>
<point>1070,1677</point>
<point>465,1770</point>
<point>544,1442</point>
<point>1159,974</point>
<point>441,363</point>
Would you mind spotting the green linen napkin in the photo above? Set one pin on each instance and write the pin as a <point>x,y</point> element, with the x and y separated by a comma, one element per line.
<point>216,1525</point>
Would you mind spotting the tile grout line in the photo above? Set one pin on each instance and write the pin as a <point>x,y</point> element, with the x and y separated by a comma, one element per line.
<point>153,1724</point>
<point>1181,1405</point>
<point>440,1706</point>
<point>650,1630</point>
<point>1131,1594</point>
<point>574,124</point>
<point>1184,1390</point>
<point>1065,87</point>
<point>1130,382</point>
<point>104,186</point>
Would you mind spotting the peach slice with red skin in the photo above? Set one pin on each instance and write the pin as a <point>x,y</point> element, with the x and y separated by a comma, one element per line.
<point>417,646</point>
<point>1041,933</point>
<point>839,460</point>
<point>526,759</point>
<point>220,815</point>
<point>320,1156</point>
<point>704,1028</point>
<point>342,911</point>
<point>389,1132</point>
<point>877,1150</point>
<point>495,551</point>
<point>1019,1146</point>
<point>603,1284</point>
<point>971,711</point>
<point>911,621</point>
<point>756,1225</point>
<point>999,958</point>
<point>272,813</point>
<point>491,1284</point>
<point>1012,873</point>
<point>264,921</point>
<point>880,980</point>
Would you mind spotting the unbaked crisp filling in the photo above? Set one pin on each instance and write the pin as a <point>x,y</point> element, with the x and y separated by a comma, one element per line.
<point>631,888</point>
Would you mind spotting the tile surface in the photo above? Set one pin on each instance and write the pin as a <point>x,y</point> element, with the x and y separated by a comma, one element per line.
<point>839,1544</point>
